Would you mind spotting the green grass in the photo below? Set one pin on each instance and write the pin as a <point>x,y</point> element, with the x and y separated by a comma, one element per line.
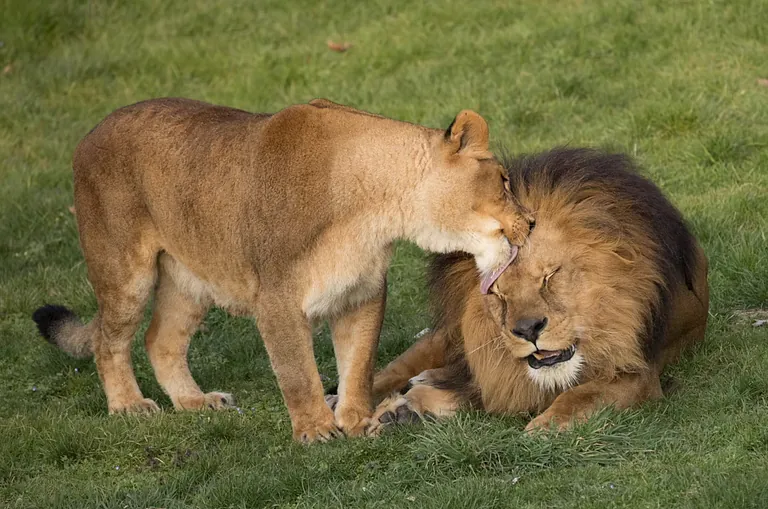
<point>672,83</point>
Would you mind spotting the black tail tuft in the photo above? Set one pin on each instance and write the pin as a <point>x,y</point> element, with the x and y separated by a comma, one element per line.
<point>49,317</point>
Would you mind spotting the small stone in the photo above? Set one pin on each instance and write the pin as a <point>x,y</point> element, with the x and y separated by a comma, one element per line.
<point>34,389</point>
<point>77,370</point>
<point>117,467</point>
<point>515,480</point>
<point>612,486</point>
<point>410,498</point>
<point>759,323</point>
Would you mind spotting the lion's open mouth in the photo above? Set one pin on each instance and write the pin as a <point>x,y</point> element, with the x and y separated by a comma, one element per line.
<point>542,358</point>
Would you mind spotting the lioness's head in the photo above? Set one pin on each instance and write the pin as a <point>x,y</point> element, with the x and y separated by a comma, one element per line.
<point>465,198</point>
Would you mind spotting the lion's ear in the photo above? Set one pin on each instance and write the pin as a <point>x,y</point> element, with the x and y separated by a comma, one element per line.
<point>468,134</point>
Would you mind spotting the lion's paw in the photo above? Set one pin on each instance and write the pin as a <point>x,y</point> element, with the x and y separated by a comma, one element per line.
<point>394,410</point>
<point>332,400</point>
<point>547,422</point>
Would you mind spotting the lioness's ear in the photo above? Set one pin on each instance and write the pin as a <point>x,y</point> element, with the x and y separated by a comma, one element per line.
<point>325,103</point>
<point>468,134</point>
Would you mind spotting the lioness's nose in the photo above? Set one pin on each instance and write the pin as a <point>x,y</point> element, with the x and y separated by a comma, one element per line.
<point>517,226</point>
<point>529,328</point>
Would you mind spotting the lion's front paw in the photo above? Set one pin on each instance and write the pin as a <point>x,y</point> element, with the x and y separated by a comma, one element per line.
<point>391,411</point>
<point>332,400</point>
<point>548,421</point>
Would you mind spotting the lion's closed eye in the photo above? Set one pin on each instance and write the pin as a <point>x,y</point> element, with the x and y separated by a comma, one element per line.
<point>502,303</point>
<point>548,277</point>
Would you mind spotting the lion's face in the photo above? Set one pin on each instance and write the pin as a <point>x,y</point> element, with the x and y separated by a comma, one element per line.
<point>547,306</point>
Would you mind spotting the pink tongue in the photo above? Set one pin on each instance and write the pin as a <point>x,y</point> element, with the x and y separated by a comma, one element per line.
<point>487,282</point>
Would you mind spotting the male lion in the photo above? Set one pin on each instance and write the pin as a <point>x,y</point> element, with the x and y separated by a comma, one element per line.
<point>287,217</point>
<point>609,287</point>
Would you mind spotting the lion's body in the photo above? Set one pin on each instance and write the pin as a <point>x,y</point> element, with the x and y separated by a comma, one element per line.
<point>286,217</point>
<point>611,278</point>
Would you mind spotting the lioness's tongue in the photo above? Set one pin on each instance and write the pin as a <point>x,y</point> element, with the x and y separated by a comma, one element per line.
<point>487,281</point>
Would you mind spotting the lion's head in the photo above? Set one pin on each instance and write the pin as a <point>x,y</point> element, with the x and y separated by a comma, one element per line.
<point>590,290</point>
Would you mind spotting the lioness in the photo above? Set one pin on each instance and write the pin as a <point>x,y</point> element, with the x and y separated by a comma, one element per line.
<point>287,217</point>
<point>608,289</point>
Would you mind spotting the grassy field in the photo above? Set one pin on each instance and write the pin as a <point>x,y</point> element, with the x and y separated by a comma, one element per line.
<point>673,83</point>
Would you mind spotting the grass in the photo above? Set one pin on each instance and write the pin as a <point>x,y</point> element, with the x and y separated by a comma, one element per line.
<point>672,83</point>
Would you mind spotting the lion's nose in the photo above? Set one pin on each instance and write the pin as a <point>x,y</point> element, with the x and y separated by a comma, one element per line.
<point>529,328</point>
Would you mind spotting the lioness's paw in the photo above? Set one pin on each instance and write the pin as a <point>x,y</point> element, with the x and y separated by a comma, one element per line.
<point>353,423</point>
<point>317,433</point>
<point>218,401</point>
<point>142,406</point>
<point>394,410</point>
<point>209,401</point>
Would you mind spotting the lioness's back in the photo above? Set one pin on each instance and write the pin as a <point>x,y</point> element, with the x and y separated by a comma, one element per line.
<point>154,125</point>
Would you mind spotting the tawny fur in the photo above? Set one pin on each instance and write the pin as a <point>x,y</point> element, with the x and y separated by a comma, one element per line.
<point>287,217</point>
<point>612,267</point>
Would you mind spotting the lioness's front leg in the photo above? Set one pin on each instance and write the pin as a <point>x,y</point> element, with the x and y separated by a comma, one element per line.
<point>580,402</point>
<point>355,339</point>
<point>287,336</point>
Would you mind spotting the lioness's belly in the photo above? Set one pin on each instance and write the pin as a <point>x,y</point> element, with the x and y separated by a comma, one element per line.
<point>235,299</point>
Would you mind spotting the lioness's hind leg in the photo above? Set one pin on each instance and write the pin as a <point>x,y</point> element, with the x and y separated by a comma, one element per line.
<point>122,290</point>
<point>175,319</point>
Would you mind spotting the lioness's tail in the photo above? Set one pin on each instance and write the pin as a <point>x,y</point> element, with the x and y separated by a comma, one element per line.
<point>61,327</point>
